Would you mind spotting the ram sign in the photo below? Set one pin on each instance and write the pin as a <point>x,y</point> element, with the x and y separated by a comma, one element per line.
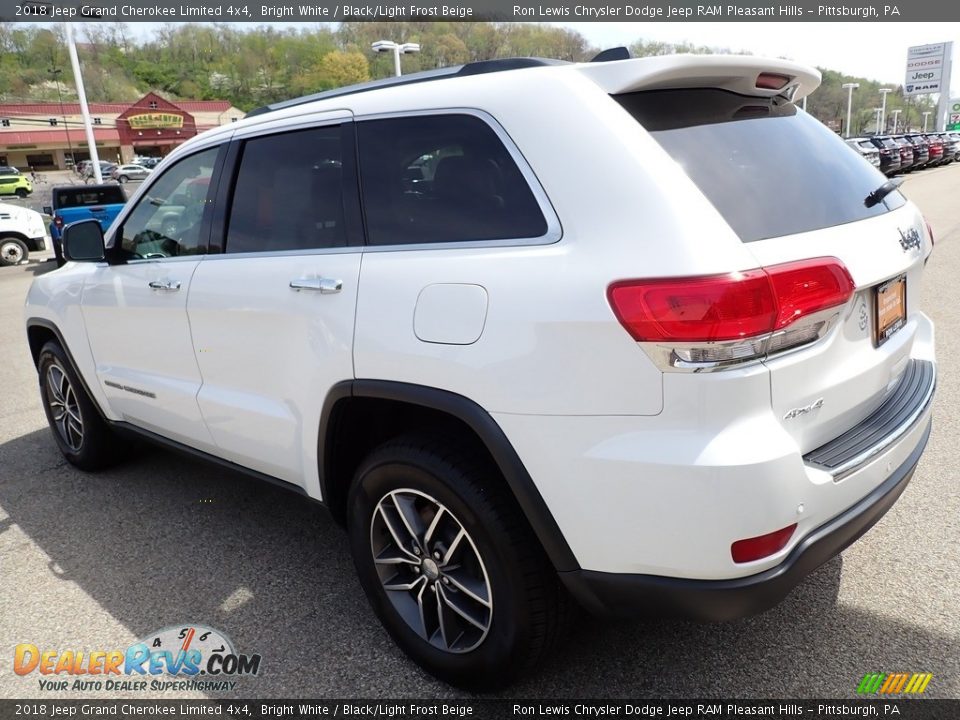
<point>925,65</point>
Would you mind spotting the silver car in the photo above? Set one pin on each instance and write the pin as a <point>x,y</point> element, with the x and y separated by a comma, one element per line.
<point>123,173</point>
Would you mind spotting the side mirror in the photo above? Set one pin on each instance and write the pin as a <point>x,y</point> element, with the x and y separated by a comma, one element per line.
<point>47,210</point>
<point>83,241</point>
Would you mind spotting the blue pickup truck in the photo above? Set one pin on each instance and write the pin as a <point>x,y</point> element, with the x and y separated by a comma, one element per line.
<point>71,203</point>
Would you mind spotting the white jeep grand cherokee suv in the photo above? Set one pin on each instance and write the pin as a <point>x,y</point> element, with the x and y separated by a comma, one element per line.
<point>639,332</point>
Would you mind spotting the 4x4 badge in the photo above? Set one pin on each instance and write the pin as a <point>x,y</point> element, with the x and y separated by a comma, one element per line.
<point>909,239</point>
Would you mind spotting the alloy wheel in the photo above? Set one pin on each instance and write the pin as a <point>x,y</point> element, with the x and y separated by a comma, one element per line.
<point>64,408</point>
<point>431,570</point>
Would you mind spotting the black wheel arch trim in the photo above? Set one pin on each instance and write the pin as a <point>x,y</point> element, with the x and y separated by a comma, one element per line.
<point>48,325</point>
<point>483,425</point>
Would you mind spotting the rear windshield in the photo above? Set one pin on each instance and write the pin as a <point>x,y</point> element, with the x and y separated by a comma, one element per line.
<point>767,167</point>
<point>83,196</point>
<point>867,145</point>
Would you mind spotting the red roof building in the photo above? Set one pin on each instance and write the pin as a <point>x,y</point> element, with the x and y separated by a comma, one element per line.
<point>46,136</point>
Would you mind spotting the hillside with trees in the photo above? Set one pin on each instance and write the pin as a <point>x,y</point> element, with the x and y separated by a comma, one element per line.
<point>252,66</point>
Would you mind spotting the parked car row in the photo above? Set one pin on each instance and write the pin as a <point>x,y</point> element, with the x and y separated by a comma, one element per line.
<point>137,170</point>
<point>148,162</point>
<point>911,151</point>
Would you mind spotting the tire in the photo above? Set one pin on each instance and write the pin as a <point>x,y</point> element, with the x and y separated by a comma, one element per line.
<point>122,179</point>
<point>517,603</point>
<point>21,193</point>
<point>12,251</point>
<point>81,434</point>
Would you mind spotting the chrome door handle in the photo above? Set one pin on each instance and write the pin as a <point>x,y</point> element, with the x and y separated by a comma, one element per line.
<point>165,285</point>
<point>325,286</point>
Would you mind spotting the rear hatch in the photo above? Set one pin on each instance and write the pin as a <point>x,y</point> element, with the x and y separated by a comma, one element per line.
<point>794,193</point>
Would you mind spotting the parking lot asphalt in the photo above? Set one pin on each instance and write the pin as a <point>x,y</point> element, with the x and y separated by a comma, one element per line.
<point>95,562</point>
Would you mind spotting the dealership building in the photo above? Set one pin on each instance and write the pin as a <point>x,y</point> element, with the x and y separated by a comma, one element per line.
<point>45,135</point>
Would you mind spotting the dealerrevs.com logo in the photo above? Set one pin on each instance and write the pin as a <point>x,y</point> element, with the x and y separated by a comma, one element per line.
<point>179,658</point>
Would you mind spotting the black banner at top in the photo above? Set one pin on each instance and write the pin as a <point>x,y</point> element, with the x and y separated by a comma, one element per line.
<point>479,10</point>
<point>404,709</point>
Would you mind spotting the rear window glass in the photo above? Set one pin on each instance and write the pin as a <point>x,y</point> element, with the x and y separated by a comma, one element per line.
<point>82,197</point>
<point>867,145</point>
<point>442,178</point>
<point>767,167</point>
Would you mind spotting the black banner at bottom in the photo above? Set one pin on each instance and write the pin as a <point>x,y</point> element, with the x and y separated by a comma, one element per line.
<point>914,709</point>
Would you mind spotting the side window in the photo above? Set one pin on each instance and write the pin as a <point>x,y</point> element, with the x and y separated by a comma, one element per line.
<point>442,178</point>
<point>289,193</point>
<point>166,221</point>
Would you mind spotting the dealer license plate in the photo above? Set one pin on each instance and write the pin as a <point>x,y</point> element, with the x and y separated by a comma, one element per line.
<point>890,309</point>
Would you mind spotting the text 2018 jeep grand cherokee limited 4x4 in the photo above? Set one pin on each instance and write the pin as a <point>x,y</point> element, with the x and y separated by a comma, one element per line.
<point>639,332</point>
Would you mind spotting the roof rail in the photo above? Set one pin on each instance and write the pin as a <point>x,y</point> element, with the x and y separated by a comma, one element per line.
<point>475,68</point>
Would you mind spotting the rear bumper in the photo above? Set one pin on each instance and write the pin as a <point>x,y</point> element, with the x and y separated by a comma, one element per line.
<point>720,600</point>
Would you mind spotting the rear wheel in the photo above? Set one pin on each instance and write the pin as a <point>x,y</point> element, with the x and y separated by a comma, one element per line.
<point>450,565</point>
<point>12,251</point>
<point>82,435</point>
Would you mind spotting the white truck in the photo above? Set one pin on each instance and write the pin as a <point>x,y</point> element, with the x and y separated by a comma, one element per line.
<point>21,231</point>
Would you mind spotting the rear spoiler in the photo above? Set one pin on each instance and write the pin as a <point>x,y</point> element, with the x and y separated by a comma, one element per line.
<point>742,74</point>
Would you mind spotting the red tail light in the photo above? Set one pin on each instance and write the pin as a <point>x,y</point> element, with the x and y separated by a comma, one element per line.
<point>763,546</point>
<point>805,287</point>
<point>729,307</point>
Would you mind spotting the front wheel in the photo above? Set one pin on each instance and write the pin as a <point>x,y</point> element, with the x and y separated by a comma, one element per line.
<point>450,565</point>
<point>13,251</point>
<point>21,193</point>
<point>80,432</point>
<point>122,179</point>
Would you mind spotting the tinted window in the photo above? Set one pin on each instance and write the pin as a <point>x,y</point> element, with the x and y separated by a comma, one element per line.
<point>867,145</point>
<point>83,197</point>
<point>289,193</point>
<point>167,220</point>
<point>442,178</point>
<point>767,167</point>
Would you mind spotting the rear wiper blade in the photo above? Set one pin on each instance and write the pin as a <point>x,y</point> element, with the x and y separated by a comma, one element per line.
<point>881,192</point>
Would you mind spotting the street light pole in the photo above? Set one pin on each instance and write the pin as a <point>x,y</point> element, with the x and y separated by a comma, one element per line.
<point>876,120</point>
<point>895,113</point>
<point>56,76</point>
<point>849,87</point>
<point>396,49</point>
<point>883,107</point>
<point>84,109</point>
<point>925,116</point>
